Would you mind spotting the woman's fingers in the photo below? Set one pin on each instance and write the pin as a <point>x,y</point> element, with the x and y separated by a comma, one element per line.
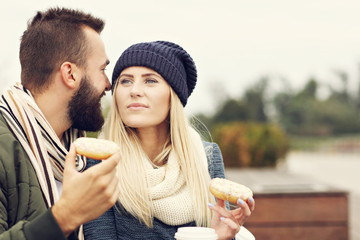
<point>234,226</point>
<point>220,202</point>
<point>228,223</point>
<point>244,207</point>
<point>220,209</point>
<point>238,215</point>
<point>251,203</point>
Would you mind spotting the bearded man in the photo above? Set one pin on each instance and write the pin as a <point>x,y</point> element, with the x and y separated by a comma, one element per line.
<point>44,192</point>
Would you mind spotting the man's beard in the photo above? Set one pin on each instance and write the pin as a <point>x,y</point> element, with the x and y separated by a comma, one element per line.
<point>84,108</point>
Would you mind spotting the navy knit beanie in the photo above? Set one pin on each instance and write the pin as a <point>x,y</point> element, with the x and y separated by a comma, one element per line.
<point>168,59</point>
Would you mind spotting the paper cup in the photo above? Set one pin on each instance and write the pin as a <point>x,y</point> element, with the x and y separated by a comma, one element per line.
<point>244,234</point>
<point>195,233</point>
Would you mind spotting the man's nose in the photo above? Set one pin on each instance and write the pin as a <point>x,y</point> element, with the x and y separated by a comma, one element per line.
<point>108,84</point>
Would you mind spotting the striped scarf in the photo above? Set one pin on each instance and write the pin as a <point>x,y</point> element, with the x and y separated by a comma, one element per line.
<point>45,150</point>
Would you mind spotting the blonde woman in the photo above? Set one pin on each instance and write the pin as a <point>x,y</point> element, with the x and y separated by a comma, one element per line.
<point>165,168</point>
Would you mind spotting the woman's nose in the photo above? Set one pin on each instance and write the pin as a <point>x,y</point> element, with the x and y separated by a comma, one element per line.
<point>136,90</point>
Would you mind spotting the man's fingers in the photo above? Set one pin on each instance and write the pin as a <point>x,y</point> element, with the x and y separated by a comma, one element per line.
<point>116,157</point>
<point>70,159</point>
<point>107,165</point>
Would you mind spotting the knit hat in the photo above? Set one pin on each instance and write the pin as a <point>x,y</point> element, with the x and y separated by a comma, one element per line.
<point>168,59</point>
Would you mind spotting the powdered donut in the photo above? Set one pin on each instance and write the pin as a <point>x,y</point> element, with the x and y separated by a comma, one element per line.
<point>95,148</point>
<point>228,190</point>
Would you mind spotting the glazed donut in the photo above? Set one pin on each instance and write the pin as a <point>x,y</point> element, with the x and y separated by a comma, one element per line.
<point>228,190</point>
<point>94,148</point>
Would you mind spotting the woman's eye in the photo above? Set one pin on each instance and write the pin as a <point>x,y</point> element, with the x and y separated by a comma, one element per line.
<point>151,81</point>
<point>125,81</point>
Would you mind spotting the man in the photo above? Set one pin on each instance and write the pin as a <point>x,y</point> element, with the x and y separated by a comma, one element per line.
<point>62,81</point>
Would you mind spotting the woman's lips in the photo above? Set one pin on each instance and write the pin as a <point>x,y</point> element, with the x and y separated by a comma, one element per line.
<point>136,106</point>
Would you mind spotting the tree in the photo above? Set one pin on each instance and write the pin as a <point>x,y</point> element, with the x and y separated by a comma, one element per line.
<point>254,99</point>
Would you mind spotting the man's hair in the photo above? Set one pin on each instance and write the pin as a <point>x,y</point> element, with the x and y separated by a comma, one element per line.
<point>53,37</point>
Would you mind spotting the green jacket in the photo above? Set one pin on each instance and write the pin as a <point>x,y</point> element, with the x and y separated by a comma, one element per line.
<point>23,213</point>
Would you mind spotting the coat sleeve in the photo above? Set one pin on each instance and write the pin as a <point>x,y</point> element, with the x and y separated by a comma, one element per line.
<point>44,226</point>
<point>215,160</point>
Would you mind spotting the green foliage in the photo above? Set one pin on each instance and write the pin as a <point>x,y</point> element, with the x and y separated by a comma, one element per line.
<point>92,134</point>
<point>250,144</point>
<point>232,110</point>
<point>231,138</point>
<point>255,101</point>
<point>304,114</point>
<point>250,107</point>
<point>248,136</point>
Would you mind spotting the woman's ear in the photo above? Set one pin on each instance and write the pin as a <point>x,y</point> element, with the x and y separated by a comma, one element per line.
<point>70,74</point>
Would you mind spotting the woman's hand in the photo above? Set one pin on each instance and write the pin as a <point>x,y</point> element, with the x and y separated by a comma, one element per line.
<point>227,223</point>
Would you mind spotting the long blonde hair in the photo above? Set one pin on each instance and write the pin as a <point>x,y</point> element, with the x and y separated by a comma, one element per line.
<point>134,196</point>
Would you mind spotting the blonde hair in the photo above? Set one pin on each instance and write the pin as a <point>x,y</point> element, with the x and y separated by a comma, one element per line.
<point>134,196</point>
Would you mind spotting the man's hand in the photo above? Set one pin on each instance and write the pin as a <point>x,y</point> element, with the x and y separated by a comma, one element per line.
<point>87,195</point>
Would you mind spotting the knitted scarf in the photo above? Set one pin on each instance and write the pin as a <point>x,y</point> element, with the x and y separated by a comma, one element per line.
<point>171,196</point>
<point>45,150</point>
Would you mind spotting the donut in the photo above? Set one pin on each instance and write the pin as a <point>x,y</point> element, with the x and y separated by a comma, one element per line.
<point>94,148</point>
<point>228,190</point>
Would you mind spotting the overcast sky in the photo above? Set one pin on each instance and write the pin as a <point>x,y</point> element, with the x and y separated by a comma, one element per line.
<point>233,42</point>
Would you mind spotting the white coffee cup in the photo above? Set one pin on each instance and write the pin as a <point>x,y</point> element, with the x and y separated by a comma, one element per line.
<point>195,233</point>
<point>244,234</point>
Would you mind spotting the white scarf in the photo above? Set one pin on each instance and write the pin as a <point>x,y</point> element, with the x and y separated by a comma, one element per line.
<point>171,196</point>
<point>42,145</point>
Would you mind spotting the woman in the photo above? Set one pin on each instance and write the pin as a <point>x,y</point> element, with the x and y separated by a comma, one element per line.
<point>165,168</point>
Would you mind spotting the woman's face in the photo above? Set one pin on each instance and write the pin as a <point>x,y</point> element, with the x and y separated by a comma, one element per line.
<point>142,97</point>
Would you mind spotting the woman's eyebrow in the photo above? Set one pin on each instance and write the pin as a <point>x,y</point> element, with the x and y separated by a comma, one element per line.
<point>125,75</point>
<point>150,74</point>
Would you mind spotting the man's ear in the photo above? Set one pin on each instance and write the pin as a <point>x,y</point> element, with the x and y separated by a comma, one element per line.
<point>70,74</point>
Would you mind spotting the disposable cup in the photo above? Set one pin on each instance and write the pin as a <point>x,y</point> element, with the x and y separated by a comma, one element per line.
<point>244,234</point>
<point>195,233</point>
